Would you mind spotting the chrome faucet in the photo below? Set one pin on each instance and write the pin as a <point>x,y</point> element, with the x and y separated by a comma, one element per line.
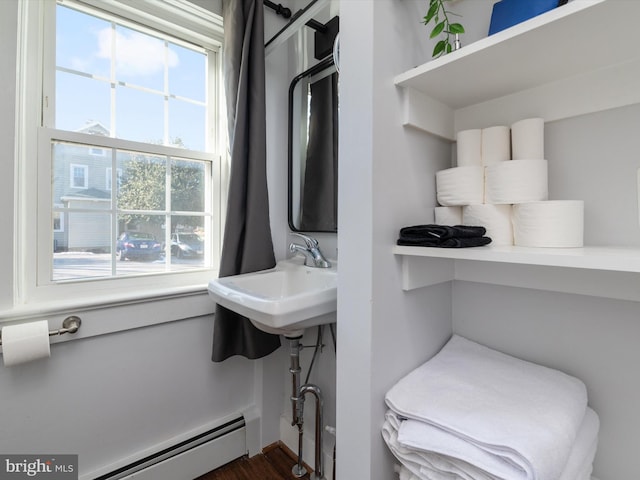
<point>312,255</point>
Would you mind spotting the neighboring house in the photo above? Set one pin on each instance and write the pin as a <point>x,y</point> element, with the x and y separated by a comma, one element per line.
<point>82,179</point>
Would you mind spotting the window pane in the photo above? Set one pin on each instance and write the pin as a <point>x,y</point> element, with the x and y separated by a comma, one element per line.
<point>83,250</point>
<point>187,77</point>
<point>187,185</point>
<point>83,42</point>
<point>82,104</point>
<point>188,242</point>
<point>140,245</point>
<point>139,115</point>
<point>114,81</point>
<point>143,183</point>
<point>187,124</point>
<point>140,59</point>
<point>78,177</point>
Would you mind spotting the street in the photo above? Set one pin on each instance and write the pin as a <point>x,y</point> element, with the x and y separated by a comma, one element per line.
<point>75,265</point>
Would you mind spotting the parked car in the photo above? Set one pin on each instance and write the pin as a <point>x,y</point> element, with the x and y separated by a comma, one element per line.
<point>138,245</point>
<point>186,245</point>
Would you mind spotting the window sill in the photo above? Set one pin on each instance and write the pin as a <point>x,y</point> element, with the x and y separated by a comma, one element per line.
<point>104,315</point>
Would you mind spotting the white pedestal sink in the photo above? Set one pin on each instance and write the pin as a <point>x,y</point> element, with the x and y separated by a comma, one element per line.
<point>283,300</point>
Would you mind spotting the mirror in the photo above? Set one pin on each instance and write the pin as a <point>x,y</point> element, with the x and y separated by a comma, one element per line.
<point>313,149</point>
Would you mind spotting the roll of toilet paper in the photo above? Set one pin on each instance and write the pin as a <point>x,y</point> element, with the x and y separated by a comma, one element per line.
<point>495,218</point>
<point>516,181</point>
<point>469,148</point>
<point>527,139</point>
<point>25,342</point>
<point>448,215</point>
<point>496,145</point>
<point>554,223</point>
<point>460,186</point>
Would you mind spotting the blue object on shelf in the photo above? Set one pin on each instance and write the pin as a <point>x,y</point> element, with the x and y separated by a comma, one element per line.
<point>507,13</point>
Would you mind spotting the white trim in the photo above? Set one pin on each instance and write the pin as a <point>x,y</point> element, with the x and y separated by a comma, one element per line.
<point>34,293</point>
<point>131,145</point>
<point>198,25</point>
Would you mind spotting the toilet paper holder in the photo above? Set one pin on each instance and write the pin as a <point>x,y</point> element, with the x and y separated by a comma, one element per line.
<point>69,325</point>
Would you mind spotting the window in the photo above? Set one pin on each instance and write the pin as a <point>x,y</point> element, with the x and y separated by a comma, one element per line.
<point>129,98</point>
<point>79,176</point>
<point>108,181</point>
<point>98,151</point>
<point>58,224</point>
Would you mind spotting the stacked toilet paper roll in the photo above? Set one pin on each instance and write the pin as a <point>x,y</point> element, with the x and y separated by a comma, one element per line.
<point>25,342</point>
<point>495,218</point>
<point>460,186</point>
<point>554,223</point>
<point>527,139</point>
<point>496,145</point>
<point>516,181</point>
<point>501,183</point>
<point>448,215</point>
<point>469,148</point>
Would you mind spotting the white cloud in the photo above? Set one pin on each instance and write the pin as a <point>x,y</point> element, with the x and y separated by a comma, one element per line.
<point>80,64</point>
<point>136,54</point>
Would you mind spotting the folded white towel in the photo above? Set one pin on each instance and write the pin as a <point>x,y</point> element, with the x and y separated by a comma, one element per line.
<point>580,463</point>
<point>404,473</point>
<point>524,415</point>
<point>431,465</point>
<point>428,465</point>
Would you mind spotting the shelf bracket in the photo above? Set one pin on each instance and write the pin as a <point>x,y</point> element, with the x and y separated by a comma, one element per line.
<point>418,272</point>
<point>426,114</point>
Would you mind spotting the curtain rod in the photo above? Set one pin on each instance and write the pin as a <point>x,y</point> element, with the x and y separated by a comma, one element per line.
<point>300,18</point>
<point>278,8</point>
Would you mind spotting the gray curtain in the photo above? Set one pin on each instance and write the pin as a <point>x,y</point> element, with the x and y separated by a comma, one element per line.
<point>319,205</point>
<point>247,244</point>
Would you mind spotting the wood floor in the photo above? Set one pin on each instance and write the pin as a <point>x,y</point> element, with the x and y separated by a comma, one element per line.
<point>274,463</point>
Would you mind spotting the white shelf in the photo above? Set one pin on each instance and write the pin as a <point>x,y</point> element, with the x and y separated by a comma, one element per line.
<point>594,258</point>
<point>564,50</point>
<point>601,271</point>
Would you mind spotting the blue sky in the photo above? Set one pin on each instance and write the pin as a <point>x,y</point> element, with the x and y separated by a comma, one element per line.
<point>84,44</point>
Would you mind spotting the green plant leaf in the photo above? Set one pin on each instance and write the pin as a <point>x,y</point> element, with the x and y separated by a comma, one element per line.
<point>456,28</point>
<point>449,48</point>
<point>437,30</point>
<point>433,9</point>
<point>439,48</point>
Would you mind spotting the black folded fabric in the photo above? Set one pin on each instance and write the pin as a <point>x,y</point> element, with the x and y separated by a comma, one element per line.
<point>447,243</point>
<point>442,231</point>
<point>444,236</point>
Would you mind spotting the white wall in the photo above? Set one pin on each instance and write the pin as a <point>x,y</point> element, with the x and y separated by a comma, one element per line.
<point>110,396</point>
<point>282,65</point>
<point>594,339</point>
<point>386,182</point>
<point>591,158</point>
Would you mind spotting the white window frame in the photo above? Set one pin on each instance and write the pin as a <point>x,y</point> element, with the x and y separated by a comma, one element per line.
<point>72,175</point>
<point>35,291</point>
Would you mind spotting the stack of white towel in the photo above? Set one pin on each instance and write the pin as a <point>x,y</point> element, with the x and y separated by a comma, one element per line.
<point>472,413</point>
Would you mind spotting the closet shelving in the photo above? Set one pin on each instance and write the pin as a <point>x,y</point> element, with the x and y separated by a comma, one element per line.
<point>579,58</point>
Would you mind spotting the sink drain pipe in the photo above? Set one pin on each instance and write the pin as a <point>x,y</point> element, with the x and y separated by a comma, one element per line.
<point>297,406</point>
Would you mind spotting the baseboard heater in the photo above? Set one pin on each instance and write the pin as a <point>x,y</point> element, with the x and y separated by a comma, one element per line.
<point>190,458</point>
